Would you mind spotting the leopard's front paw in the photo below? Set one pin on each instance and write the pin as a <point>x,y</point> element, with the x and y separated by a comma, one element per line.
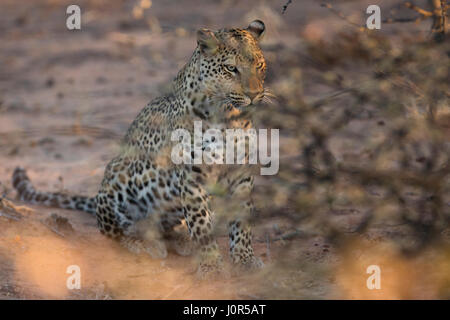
<point>182,244</point>
<point>156,248</point>
<point>212,267</point>
<point>183,248</point>
<point>248,263</point>
<point>254,263</point>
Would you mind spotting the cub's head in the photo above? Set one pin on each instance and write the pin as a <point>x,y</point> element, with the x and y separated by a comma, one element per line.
<point>232,66</point>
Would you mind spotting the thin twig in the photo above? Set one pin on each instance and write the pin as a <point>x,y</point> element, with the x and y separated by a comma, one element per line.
<point>268,246</point>
<point>419,10</point>
<point>53,229</point>
<point>321,101</point>
<point>2,214</point>
<point>403,20</point>
<point>7,205</point>
<point>171,292</point>
<point>330,7</point>
<point>424,15</point>
<point>285,6</point>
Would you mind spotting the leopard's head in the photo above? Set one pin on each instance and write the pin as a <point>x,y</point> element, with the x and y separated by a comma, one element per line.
<point>232,66</point>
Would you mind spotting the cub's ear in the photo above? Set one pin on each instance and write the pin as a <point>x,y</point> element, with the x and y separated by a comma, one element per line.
<point>207,41</point>
<point>256,28</point>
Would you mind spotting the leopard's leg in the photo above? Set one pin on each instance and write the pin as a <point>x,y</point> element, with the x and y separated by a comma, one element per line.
<point>175,232</point>
<point>241,250</point>
<point>115,222</point>
<point>199,220</point>
<point>179,240</point>
<point>240,235</point>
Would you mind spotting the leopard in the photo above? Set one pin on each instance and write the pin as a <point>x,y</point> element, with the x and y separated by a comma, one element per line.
<point>149,204</point>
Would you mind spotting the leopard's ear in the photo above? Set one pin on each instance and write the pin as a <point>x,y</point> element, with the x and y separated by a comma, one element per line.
<point>256,28</point>
<point>207,41</point>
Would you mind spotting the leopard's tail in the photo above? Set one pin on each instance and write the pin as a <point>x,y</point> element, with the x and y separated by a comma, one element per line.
<point>26,192</point>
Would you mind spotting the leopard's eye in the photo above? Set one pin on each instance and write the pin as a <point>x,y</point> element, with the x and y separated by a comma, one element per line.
<point>259,65</point>
<point>231,68</point>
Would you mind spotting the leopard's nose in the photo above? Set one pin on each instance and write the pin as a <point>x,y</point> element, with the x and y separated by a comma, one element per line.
<point>253,94</point>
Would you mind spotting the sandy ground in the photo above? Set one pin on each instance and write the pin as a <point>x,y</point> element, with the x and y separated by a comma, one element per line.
<point>66,97</point>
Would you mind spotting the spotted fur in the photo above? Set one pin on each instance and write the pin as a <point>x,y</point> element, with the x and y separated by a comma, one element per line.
<point>144,197</point>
